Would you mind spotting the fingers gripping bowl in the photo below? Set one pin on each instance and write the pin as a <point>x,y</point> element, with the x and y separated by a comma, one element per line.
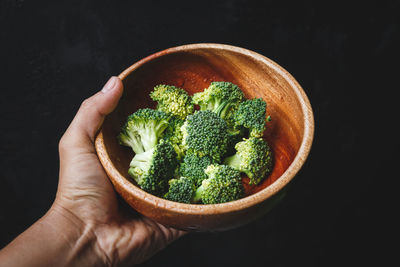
<point>193,68</point>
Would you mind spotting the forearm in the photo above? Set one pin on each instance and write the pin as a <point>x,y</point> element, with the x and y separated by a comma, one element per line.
<point>57,239</point>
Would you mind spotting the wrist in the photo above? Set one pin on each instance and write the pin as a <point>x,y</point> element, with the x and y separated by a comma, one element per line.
<point>76,235</point>
<point>57,239</point>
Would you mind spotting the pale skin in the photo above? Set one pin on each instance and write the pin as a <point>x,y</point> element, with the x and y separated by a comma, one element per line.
<point>86,225</point>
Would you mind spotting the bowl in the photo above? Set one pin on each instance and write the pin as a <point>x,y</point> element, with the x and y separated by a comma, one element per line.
<point>193,67</point>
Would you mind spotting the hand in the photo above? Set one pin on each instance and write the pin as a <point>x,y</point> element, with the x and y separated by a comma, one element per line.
<point>86,193</point>
<point>86,213</point>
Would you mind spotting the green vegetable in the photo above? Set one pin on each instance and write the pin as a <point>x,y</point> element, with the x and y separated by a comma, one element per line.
<point>222,185</point>
<point>192,156</point>
<point>253,157</point>
<point>174,135</point>
<point>181,190</point>
<point>205,134</point>
<point>251,115</point>
<point>193,167</point>
<point>223,98</point>
<point>233,138</point>
<point>143,129</point>
<point>152,168</point>
<point>173,100</point>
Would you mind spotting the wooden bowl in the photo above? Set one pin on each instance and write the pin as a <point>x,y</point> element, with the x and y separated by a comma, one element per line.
<point>193,67</point>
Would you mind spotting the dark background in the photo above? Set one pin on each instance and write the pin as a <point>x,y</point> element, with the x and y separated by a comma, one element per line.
<point>338,211</point>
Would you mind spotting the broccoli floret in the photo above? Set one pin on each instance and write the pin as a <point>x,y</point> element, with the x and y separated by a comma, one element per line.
<point>251,115</point>
<point>234,136</point>
<point>222,185</point>
<point>152,168</point>
<point>205,134</point>
<point>193,167</point>
<point>253,157</point>
<point>181,190</point>
<point>223,98</point>
<point>173,100</point>
<point>143,129</point>
<point>173,134</point>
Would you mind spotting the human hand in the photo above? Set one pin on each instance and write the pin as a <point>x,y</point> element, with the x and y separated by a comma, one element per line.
<point>86,225</point>
<point>86,197</point>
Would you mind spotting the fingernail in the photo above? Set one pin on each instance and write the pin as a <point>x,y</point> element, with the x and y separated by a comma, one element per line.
<point>109,85</point>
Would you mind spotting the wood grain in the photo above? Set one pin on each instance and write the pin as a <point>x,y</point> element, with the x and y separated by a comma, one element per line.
<point>193,67</point>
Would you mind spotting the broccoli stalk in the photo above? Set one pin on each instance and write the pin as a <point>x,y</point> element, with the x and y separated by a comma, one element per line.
<point>253,157</point>
<point>152,168</point>
<point>234,161</point>
<point>200,191</point>
<point>140,164</point>
<point>143,129</point>
<point>131,139</point>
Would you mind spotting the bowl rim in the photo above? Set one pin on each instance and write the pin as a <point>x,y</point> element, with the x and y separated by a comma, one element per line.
<point>233,206</point>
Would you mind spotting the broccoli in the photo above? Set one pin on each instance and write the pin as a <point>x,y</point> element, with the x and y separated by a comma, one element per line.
<point>193,167</point>
<point>152,168</point>
<point>205,134</point>
<point>222,185</point>
<point>251,115</point>
<point>253,157</point>
<point>173,134</point>
<point>181,190</point>
<point>223,98</point>
<point>233,138</point>
<point>173,100</point>
<point>192,156</point>
<point>143,129</point>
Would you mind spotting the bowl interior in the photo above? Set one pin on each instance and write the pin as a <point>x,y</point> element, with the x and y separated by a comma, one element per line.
<point>193,70</point>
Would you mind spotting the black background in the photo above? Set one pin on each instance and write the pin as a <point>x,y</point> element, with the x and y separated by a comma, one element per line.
<point>55,54</point>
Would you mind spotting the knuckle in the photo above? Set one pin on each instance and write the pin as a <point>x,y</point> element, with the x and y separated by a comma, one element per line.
<point>65,142</point>
<point>86,103</point>
<point>62,143</point>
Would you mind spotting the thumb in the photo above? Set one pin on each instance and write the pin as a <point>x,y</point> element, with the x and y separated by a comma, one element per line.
<point>90,116</point>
